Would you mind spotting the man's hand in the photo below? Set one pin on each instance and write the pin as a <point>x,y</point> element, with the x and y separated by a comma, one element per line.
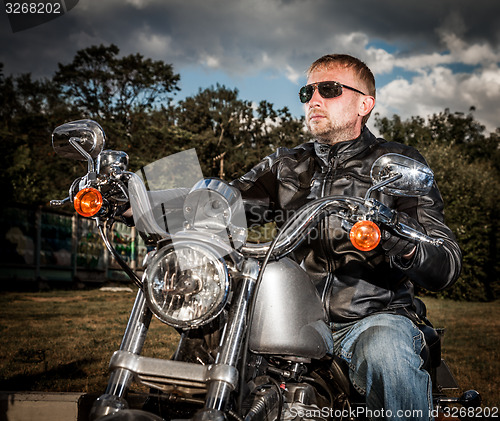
<point>394,245</point>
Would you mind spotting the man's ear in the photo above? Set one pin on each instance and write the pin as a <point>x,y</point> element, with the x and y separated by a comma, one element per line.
<point>367,105</point>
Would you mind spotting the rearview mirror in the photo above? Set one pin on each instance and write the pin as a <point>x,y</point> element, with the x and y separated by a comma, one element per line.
<point>87,134</point>
<point>409,177</point>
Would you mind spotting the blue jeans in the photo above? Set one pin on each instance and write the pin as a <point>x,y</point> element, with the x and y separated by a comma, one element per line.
<point>383,354</point>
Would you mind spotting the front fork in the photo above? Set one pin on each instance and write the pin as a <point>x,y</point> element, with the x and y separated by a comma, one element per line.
<point>225,377</point>
<point>230,345</point>
<point>133,340</point>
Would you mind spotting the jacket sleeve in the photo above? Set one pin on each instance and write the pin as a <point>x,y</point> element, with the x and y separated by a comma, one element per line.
<point>258,190</point>
<point>432,267</point>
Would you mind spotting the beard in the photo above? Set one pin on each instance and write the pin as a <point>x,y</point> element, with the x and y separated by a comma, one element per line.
<point>331,131</point>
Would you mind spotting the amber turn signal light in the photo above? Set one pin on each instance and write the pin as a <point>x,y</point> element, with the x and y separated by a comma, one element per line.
<point>88,202</point>
<point>365,235</point>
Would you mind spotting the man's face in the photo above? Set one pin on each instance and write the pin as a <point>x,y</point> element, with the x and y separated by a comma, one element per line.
<point>334,120</point>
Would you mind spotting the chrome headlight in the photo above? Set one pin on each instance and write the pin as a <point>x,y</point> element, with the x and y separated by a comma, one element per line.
<point>214,206</point>
<point>186,285</point>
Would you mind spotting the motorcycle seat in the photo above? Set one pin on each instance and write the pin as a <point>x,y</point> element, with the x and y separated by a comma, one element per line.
<point>431,353</point>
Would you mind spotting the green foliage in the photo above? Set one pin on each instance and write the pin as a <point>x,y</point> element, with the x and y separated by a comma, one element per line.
<point>231,136</point>
<point>30,109</point>
<point>101,85</point>
<point>470,191</point>
<point>465,164</point>
<point>129,97</point>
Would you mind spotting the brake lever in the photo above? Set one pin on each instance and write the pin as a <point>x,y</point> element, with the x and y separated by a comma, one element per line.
<point>380,213</point>
<point>58,203</point>
<point>413,234</point>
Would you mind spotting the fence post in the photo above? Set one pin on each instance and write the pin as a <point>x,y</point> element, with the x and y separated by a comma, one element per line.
<point>133,248</point>
<point>74,245</point>
<point>38,242</point>
<point>107,257</point>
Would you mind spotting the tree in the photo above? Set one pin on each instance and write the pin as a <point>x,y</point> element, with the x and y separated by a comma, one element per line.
<point>30,109</point>
<point>235,133</point>
<point>120,93</point>
<point>103,86</point>
<point>220,125</point>
<point>153,137</point>
<point>470,190</point>
<point>445,128</point>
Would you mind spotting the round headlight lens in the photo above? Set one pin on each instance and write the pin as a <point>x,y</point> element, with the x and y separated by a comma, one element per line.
<point>187,285</point>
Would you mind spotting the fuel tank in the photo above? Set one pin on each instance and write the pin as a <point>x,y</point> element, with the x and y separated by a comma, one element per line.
<point>289,318</point>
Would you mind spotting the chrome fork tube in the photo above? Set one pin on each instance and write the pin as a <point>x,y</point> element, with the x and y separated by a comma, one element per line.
<point>119,380</point>
<point>133,341</point>
<point>232,338</point>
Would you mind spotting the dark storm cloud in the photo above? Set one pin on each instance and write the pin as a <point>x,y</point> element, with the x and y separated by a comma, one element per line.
<point>242,36</point>
<point>450,47</point>
<point>418,22</point>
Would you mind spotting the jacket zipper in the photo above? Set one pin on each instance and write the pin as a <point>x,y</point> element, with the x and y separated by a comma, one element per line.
<point>324,225</point>
<point>329,174</point>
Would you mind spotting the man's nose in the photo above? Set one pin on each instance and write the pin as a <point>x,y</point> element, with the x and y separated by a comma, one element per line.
<point>316,99</point>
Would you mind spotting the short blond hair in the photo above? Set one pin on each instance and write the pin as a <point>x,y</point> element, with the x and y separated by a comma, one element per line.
<point>362,71</point>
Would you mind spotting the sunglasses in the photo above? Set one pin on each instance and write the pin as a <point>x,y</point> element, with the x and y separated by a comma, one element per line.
<point>326,90</point>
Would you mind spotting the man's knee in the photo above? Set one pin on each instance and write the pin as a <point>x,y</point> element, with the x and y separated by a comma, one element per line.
<point>387,351</point>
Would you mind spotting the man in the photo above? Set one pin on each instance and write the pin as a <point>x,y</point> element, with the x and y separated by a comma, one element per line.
<point>369,295</point>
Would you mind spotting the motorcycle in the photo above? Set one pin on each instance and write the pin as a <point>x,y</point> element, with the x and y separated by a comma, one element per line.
<point>255,343</point>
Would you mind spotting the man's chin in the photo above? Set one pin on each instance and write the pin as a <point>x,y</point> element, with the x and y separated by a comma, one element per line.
<point>318,130</point>
<point>321,134</point>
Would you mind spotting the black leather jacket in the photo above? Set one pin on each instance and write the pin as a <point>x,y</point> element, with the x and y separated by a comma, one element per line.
<point>354,284</point>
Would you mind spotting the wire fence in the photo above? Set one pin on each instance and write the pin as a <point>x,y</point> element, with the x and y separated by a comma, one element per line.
<point>43,245</point>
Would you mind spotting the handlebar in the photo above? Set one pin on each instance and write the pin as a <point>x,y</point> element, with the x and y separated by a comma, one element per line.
<point>296,229</point>
<point>292,234</point>
<point>349,209</point>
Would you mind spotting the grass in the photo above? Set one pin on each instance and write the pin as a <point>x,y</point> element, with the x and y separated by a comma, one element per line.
<point>62,340</point>
<point>471,343</point>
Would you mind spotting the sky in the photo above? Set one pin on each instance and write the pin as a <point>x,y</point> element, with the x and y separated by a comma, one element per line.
<point>427,55</point>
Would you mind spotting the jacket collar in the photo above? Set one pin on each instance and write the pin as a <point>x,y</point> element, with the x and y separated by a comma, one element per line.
<point>343,151</point>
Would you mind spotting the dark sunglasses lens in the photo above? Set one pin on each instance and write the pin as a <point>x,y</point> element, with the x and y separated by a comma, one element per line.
<point>325,89</point>
<point>306,93</point>
<point>329,90</point>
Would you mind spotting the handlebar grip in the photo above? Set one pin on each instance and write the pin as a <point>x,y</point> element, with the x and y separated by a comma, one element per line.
<point>413,234</point>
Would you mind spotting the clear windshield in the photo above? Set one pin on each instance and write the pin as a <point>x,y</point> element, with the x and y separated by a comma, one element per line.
<point>158,193</point>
